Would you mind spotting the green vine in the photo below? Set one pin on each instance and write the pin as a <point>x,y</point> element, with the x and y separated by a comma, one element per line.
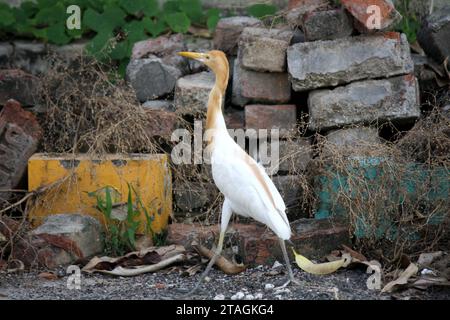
<point>112,26</point>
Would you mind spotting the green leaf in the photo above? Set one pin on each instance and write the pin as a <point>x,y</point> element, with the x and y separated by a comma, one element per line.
<point>154,27</point>
<point>193,9</point>
<point>171,7</point>
<point>151,8</point>
<point>135,31</point>
<point>261,10</point>
<point>51,15</point>
<point>56,34</point>
<point>120,50</point>
<point>213,18</point>
<point>7,18</point>
<point>132,6</point>
<point>40,33</point>
<point>178,22</point>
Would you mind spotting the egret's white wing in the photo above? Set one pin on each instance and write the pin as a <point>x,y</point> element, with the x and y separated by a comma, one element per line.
<point>248,187</point>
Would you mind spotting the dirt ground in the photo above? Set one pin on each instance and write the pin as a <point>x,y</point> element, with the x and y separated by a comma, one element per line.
<point>254,283</point>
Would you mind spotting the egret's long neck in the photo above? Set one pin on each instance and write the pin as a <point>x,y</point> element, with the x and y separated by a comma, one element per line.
<point>214,116</point>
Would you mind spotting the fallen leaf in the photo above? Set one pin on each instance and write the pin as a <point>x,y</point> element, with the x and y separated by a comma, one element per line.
<point>427,281</point>
<point>402,279</point>
<point>354,254</point>
<point>319,268</point>
<point>189,272</point>
<point>426,259</point>
<point>223,263</point>
<point>48,276</point>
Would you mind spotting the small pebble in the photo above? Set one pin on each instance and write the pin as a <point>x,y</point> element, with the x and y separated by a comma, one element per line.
<point>207,279</point>
<point>219,297</point>
<point>238,296</point>
<point>276,265</point>
<point>249,297</point>
<point>268,286</point>
<point>281,291</point>
<point>258,296</point>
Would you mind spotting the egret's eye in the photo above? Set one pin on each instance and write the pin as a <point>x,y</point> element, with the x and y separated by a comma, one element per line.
<point>207,57</point>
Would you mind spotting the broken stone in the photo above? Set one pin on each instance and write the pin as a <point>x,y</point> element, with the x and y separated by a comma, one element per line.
<point>264,50</point>
<point>327,25</point>
<point>228,31</point>
<point>351,142</point>
<point>421,70</point>
<point>365,102</point>
<point>18,85</point>
<point>365,12</point>
<point>20,134</point>
<point>196,44</point>
<point>435,34</point>
<point>260,246</point>
<point>282,117</point>
<point>259,87</point>
<point>61,240</point>
<point>84,231</point>
<point>152,78</point>
<point>165,105</point>
<point>329,63</point>
<point>192,93</point>
<point>302,3</point>
<point>299,9</point>
<point>163,47</point>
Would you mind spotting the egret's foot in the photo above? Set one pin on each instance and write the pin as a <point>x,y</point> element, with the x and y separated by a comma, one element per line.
<point>291,281</point>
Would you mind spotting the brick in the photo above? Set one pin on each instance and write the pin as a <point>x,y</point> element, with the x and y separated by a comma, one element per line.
<point>192,93</point>
<point>264,50</point>
<point>20,134</point>
<point>362,13</point>
<point>365,102</point>
<point>152,78</point>
<point>6,54</point>
<point>234,118</point>
<point>149,174</point>
<point>258,245</point>
<point>30,57</point>
<point>327,25</point>
<point>282,117</point>
<point>252,86</point>
<point>161,123</point>
<point>295,15</point>
<point>302,3</point>
<point>435,34</point>
<point>228,31</point>
<point>18,85</point>
<point>293,155</point>
<point>319,64</point>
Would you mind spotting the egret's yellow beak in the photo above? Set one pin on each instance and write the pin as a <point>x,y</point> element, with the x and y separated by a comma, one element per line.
<point>191,55</point>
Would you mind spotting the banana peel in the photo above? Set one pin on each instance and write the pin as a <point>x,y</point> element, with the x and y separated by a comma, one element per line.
<point>320,268</point>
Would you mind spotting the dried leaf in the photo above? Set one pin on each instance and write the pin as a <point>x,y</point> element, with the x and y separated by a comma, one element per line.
<point>320,268</point>
<point>48,276</point>
<point>224,264</point>
<point>354,254</point>
<point>427,281</point>
<point>403,279</point>
<point>189,272</point>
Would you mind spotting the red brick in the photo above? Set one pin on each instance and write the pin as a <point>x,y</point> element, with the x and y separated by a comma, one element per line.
<point>20,133</point>
<point>161,123</point>
<point>358,8</point>
<point>312,238</point>
<point>282,117</point>
<point>18,85</point>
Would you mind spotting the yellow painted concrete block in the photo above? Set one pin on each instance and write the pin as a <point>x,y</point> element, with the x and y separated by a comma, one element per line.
<point>71,179</point>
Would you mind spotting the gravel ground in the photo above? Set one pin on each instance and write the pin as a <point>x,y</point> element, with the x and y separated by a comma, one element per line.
<point>345,284</point>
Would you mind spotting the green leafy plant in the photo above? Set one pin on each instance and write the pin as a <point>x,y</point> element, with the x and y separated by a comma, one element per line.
<point>121,229</point>
<point>410,24</point>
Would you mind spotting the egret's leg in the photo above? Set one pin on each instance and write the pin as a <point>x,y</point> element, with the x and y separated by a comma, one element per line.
<point>288,266</point>
<point>226,214</point>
